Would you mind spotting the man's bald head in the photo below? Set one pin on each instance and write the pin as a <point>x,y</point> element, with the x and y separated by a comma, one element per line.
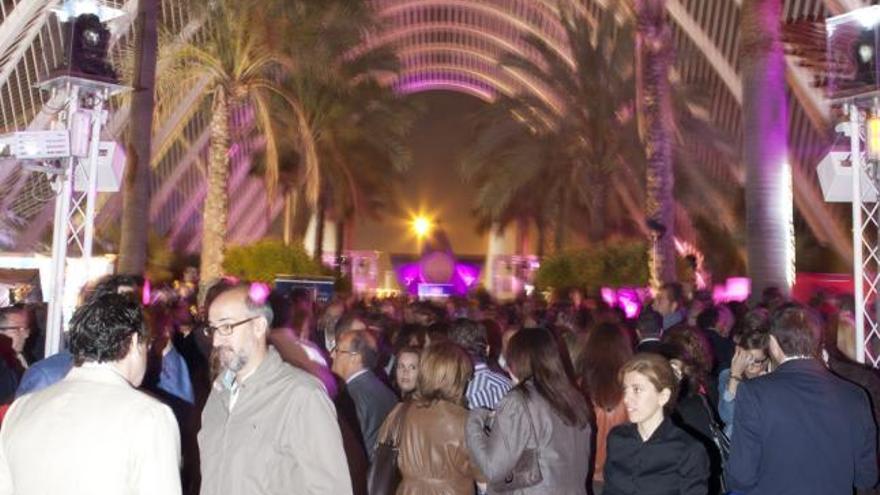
<point>238,297</point>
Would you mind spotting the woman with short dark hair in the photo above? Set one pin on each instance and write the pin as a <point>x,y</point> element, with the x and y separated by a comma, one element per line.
<point>538,440</point>
<point>650,455</point>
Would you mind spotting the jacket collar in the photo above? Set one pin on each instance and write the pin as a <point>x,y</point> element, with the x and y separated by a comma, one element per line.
<point>664,431</point>
<point>360,375</point>
<point>796,365</point>
<point>97,373</point>
<point>264,372</point>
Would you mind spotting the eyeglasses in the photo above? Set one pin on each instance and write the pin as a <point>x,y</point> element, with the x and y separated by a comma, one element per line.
<point>225,329</point>
<point>759,362</point>
<point>5,329</point>
<point>337,350</point>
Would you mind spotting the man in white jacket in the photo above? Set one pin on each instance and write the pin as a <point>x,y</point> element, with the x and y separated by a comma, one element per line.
<point>93,432</point>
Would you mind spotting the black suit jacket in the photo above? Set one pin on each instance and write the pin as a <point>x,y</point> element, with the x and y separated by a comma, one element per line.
<point>801,431</point>
<point>373,400</point>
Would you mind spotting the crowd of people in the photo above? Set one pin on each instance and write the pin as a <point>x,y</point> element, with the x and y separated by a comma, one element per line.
<point>266,392</point>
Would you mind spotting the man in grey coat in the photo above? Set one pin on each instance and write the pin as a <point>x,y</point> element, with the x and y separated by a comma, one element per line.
<point>267,427</point>
<point>354,357</point>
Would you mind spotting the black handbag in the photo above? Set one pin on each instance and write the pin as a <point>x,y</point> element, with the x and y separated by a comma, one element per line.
<point>384,475</point>
<point>527,471</point>
<point>720,439</point>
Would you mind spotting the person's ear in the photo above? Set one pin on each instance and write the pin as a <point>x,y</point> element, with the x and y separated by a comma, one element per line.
<point>261,327</point>
<point>136,342</point>
<point>776,350</point>
<point>665,395</point>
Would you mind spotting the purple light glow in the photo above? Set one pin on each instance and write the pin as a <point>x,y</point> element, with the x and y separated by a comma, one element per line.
<point>626,298</point>
<point>259,292</point>
<point>734,289</point>
<point>464,277</point>
<point>419,86</point>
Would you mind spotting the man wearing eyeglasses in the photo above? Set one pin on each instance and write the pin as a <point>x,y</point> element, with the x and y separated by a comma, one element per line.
<point>355,355</point>
<point>267,427</point>
<point>15,324</point>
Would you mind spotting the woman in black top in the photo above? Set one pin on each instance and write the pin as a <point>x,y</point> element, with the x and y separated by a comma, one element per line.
<point>650,455</point>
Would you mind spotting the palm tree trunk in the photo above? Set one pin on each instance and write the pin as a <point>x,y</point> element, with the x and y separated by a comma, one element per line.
<point>541,227</point>
<point>769,229</point>
<point>301,216</point>
<point>136,192</point>
<point>654,53</point>
<point>596,229</point>
<point>217,197</point>
<point>522,236</point>
<point>340,242</point>
<point>562,221</point>
<point>290,198</point>
<point>319,230</point>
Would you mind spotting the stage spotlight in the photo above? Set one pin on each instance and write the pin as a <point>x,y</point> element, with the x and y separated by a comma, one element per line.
<point>89,46</point>
<point>866,57</point>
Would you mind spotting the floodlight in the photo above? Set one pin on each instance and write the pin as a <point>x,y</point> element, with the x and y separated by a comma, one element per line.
<point>868,17</point>
<point>35,145</point>
<point>111,167</point>
<point>835,177</point>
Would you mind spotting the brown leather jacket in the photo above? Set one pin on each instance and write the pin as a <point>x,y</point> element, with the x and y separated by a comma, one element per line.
<point>433,459</point>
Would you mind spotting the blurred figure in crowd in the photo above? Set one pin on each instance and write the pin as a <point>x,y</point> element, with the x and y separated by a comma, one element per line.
<point>751,360</point>
<point>487,387</point>
<point>406,371</point>
<point>605,353</point>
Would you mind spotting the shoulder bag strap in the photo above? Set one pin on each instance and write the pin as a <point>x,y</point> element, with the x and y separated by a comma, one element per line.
<point>529,415</point>
<point>395,431</point>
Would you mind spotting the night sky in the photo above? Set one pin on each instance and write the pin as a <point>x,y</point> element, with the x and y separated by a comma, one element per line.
<point>433,183</point>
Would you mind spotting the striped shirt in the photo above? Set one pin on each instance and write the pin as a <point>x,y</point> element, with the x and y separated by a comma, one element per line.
<point>486,388</point>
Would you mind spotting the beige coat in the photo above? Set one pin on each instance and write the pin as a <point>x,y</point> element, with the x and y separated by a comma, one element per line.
<point>281,436</point>
<point>90,434</point>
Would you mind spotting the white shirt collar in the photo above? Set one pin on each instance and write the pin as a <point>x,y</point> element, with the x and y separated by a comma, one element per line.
<point>795,358</point>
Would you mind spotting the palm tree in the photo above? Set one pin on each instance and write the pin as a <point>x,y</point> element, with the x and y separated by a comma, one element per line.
<point>360,125</point>
<point>243,66</point>
<point>563,151</point>
<point>654,59</point>
<point>541,151</point>
<point>136,189</point>
<point>770,231</point>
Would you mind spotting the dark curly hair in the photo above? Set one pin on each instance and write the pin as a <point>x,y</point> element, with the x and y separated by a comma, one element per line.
<point>101,329</point>
<point>471,335</point>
